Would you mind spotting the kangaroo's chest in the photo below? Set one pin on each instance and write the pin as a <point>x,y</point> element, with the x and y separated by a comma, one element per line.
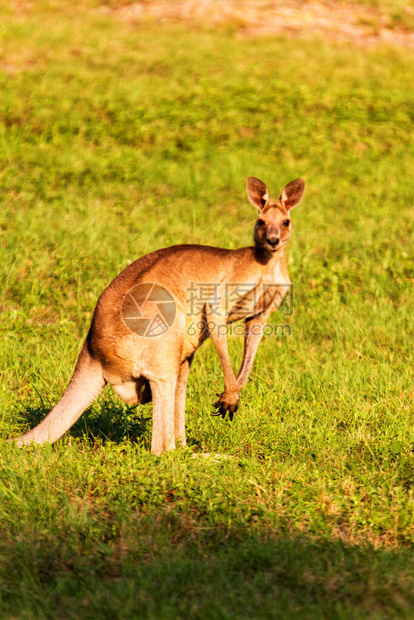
<point>239,295</point>
<point>263,298</point>
<point>263,294</point>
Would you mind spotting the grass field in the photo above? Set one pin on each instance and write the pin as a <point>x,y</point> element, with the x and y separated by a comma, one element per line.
<point>118,138</point>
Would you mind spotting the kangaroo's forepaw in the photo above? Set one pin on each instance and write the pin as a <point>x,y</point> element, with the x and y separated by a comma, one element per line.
<point>227,402</point>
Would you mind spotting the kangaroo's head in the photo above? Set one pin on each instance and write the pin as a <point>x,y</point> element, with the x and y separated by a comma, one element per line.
<point>273,228</point>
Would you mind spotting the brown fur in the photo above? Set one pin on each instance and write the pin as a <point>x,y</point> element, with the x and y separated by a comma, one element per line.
<point>144,369</point>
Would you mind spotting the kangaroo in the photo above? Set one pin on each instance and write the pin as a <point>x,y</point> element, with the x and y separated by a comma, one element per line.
<point>151,319</point>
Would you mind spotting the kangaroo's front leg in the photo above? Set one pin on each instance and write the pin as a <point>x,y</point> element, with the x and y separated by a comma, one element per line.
<point>163,396</point>
<point>229,399</point>
<point>253,333</point>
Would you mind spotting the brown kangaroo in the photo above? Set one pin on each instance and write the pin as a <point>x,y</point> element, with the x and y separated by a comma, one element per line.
<point>148,323</point>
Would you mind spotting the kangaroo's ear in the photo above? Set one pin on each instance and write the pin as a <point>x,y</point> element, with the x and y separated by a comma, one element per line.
<point>257,192</point>
<point>292,194</point>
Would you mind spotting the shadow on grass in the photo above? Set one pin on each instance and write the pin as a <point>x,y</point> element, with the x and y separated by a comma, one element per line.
<point>158,574</point>
<point>104,421</point>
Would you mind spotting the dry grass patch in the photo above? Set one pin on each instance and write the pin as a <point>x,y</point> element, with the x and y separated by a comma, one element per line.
<point>361,24</point>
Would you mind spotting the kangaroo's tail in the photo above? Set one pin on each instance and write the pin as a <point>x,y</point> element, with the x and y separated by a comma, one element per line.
<point>86,384</point>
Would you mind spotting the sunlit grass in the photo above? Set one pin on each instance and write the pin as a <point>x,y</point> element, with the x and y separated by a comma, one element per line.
<point>116,140</point>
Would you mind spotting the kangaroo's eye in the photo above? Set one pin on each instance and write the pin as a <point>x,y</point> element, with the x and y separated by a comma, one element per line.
<point>286,223</point>
<point>260,222</point>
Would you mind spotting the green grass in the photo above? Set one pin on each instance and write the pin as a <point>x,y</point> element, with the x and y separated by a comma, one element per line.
<point>117,139</point>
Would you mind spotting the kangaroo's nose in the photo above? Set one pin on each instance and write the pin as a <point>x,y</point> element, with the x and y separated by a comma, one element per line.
<point>273,240</point>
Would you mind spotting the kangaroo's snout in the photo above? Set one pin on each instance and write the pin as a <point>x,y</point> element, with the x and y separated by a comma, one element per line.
<point>273,240</point>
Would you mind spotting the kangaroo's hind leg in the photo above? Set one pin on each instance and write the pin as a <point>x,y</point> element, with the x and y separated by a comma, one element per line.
<point>163,396</point>
<point>180,398</point>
